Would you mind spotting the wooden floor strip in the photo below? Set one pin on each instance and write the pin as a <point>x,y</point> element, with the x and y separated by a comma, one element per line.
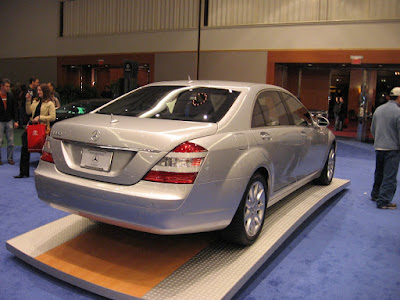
<point>124,260</point>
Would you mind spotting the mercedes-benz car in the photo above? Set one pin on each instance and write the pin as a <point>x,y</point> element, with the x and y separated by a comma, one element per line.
<point>186,156</point>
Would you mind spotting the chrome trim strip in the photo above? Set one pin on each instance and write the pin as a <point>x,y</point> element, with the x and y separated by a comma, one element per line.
<point>108,147</point>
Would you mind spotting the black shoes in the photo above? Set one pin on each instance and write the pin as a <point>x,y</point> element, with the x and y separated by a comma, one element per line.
<point>388,205</point>
<point>11,162</point>
<point>1,163</point>
<point>21,176</point>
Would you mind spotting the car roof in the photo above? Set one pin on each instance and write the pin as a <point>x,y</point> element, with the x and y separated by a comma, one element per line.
<point>218,84</point>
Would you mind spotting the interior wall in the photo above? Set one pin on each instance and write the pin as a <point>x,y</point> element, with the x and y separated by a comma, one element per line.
<point>311,36</point>
<point>21,69</point>
<point>175,66</point>
<point>228,53</point>
<point>314,89</point>
<point>33,27</point>
<point>29,28</point>
<point>247,66</point>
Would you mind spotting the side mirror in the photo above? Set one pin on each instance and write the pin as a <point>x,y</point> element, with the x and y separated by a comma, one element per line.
<point>322,121</point>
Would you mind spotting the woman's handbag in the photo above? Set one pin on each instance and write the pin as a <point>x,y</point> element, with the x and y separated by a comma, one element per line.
<point>36,134</point>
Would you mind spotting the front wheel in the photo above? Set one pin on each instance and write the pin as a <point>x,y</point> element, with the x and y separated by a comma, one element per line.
<point>248,220</point>
<point>327,173</point>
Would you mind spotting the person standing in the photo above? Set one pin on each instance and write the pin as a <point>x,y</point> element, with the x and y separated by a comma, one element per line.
<point>55,96</point>
<point>33,85</point>
<point>42,111</point>
<point>341,113</point>
<point>336,110</point>
<point>19,92</point>
<point>8,118</point>
<point>385,128</point>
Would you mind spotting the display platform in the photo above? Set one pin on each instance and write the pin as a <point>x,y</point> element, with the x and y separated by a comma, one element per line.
<point>124,264</point>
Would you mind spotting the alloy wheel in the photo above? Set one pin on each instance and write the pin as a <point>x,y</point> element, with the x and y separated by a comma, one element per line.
<point>331,164</point>
<point>254,208</point>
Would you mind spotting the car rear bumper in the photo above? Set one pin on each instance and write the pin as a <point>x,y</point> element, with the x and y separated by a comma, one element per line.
<point>146,206</point>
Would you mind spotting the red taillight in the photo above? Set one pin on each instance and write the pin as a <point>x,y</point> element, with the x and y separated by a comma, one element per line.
<point>181,165</point>
<point>46,156</point>
<point>188,147</point>
<point>171,177</point>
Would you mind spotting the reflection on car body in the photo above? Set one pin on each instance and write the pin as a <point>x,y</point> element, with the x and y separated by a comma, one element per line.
<point>181,157</point>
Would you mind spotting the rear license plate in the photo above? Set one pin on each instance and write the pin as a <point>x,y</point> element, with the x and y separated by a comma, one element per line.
<point>96,159</point>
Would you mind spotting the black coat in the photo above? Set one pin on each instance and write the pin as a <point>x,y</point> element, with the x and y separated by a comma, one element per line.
<point>12,109</point>
<point>342,111</point>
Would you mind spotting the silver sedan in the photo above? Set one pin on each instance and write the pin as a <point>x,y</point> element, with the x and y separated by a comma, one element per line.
<point>186,156</point>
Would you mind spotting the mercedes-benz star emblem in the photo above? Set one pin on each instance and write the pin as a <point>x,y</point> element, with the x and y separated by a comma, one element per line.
<point>95,135</point>
<point>95,160</point>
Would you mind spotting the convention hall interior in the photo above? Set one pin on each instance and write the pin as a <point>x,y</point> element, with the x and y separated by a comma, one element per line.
<point>317,50</point>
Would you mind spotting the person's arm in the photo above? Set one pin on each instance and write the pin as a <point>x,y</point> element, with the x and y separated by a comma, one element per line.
<point>56,103</point>
<point>398,128</point>
<point>373,126</point>
<point>15,111</point>
<point>28,104</point>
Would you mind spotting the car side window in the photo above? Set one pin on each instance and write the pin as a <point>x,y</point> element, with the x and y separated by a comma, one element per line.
<point>269,110</point>
<point>300,115</point>
<point>257,120</point>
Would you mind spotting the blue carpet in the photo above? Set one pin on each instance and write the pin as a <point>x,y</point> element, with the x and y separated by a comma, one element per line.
<point>348,249</point>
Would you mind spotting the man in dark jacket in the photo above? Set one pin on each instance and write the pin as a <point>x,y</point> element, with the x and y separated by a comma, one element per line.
<point>8,117</point>
<point>336,110</point>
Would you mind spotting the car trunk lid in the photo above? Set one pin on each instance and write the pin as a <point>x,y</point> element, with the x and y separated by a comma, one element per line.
<point>118,149</point>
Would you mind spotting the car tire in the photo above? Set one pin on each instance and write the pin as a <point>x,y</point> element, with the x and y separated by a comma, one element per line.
<point>248,220</point>
<point>329,168</point>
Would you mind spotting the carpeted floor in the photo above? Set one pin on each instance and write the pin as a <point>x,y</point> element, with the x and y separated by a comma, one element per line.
<point>348,249</point>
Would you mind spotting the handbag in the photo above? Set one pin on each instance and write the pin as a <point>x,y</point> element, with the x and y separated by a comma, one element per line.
<point>36,134</point>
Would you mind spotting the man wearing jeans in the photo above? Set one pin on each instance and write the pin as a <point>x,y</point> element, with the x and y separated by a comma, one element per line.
<point>8,115</point>
<point>385,128</point>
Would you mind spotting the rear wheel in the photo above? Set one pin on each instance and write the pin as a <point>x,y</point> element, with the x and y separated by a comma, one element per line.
<point>327,173</point>
<point>248,221</point>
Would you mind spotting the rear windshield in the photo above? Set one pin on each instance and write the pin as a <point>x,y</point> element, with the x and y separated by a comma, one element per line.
<point>82,107</point>
<point>198,104</point>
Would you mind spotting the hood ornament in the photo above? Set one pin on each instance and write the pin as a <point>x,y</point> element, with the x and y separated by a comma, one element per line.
<point>95,135</point>
<point>113,121</point>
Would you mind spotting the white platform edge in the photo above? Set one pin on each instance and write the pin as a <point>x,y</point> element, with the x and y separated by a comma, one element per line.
<point>217,272</point>
<point>33,243</point>
<point>220,270</point>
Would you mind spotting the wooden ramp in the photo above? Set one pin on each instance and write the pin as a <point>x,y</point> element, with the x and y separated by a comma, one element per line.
<point>120,263</point>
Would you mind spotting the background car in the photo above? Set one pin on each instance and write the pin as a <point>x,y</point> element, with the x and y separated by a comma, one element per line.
<point>79,107</point>
<point>181,157</point>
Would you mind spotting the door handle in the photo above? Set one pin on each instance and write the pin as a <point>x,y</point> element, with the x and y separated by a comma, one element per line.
<point>265,136</point>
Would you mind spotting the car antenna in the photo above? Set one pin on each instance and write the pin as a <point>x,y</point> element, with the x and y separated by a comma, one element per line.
<point>190,80</point>
<point>113,121</point>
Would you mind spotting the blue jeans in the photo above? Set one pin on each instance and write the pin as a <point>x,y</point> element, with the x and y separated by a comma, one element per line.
<point>8,128</point>
<point>387,166</point>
